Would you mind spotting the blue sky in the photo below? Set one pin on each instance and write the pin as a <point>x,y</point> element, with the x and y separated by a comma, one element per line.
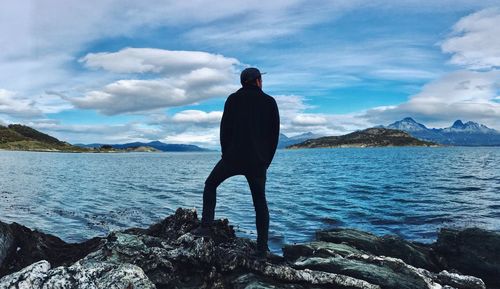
<point>118,71</point>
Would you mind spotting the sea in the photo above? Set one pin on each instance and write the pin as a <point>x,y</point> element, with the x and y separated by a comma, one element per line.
<point>407,191</point>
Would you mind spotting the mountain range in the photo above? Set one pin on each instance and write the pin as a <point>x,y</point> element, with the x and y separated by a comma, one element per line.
<point>459,133</point>
<point>285,141</point>
<point>164,147</point>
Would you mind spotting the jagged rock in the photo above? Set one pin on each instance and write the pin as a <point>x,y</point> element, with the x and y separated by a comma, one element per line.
<point>381,275</point>
<point>471,251</point>
<point>6,242</point>
<point>81,275</point>
<point>173,258</point>
<point>388,272</point>
<point>459,281</point>
<point>318,249</point>
<point>418,255</point>
<point>20,247</point>
<point>253,281</point>
<point>167,255</point>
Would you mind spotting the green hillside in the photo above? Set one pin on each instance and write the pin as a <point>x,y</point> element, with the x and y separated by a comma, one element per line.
<point>24,138</point>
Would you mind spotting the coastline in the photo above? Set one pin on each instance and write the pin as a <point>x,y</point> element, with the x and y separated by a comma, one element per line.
<point>167,255</point>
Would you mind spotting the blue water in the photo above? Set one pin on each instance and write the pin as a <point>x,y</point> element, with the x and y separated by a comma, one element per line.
<point>411,192</point>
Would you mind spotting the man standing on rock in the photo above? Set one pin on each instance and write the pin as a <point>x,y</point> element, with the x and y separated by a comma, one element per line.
<point>249,134</point>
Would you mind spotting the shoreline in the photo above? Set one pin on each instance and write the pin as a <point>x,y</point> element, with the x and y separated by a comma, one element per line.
<point>166,255</point>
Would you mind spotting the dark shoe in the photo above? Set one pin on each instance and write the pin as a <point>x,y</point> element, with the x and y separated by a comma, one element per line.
<point>201,231</point>
<point>262,253</point>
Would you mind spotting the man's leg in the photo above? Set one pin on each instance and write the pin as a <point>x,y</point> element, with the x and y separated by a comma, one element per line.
<point>220,172</point>
<point>258,188</point>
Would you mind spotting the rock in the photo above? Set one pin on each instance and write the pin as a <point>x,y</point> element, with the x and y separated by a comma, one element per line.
<point>28,278</point>
<point>418,255</point>
<point>167,255</point>
<point>6,242</point>
<point>380,274</point>
<point>81,275</point>
<point>318,249</point>
<point>253,281</point>
<point>471,251</point>
<point>459,281</point>
<point>20,247</point>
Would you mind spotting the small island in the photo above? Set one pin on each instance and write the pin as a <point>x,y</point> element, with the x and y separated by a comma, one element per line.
<point>371,137</point>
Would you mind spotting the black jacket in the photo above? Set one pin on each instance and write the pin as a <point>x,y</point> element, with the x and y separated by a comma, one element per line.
<point>249,129</point>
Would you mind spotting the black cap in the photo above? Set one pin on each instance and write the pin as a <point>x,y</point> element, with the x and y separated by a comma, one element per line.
<point>249,74</point>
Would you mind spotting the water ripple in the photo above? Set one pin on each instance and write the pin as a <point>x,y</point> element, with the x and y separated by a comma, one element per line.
<point>411,192</point>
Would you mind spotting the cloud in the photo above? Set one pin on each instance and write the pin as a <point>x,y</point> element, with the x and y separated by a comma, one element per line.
<point>462,94</point>
<point>100,133</point>
<point>474,42</point>
<point>141,60</point>
<point>207,138</point>
<point>198,117</point>
<point>14,105</point>
<point>188,77</point>
<point>309,120</point>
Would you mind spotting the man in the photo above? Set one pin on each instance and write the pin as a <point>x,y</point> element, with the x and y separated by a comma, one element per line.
<point>249,134</point>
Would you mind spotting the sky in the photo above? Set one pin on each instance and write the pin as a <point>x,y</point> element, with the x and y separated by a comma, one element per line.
<point>116,71</point>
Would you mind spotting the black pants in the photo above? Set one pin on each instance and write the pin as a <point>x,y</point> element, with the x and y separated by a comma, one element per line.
<point>257,183</point>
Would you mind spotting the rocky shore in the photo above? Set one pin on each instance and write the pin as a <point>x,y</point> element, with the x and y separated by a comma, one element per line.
<point>167,255</point>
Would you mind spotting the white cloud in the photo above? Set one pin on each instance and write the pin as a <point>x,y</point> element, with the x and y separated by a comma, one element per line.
<point>141,60</point>
<point>188,77</point>
<point>462,94</point>
<point>205,137</point>
<point>13,104</point>
<point>475,42</point>
<point>97,133</point>
<point>309,120</point>
<point>198,117</point>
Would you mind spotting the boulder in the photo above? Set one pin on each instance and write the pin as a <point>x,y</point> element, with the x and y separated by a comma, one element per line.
<point>415,254</point>
<point>471,251</point>
<point>81,275</point>
<point>21,246</point>
<point>168,255</point>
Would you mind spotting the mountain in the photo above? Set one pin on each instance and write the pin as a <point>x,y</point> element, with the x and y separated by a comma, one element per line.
<point>408,124</point>
<point>459,133</point>
<point>158,145</point>
<point>285,141</point>
<point>25,138</point>
<point>371,137</point>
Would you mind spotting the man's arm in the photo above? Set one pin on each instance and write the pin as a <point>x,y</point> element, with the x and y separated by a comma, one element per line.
<point>275,130</point>
<point>226,126</point>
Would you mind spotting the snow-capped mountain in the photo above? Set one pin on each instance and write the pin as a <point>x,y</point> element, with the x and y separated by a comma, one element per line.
<point>408,124</point>
<point>462,134</point>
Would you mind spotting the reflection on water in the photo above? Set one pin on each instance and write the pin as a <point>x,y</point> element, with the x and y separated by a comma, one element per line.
<point>406,191</point>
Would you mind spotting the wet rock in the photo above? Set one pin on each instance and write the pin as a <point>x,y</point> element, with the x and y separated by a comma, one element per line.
<point>167,255</point>
<point>21,246</point>
<point>418,255</point>
<point>471,251</point>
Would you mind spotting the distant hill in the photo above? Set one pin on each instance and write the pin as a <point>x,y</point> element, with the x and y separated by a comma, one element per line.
<point>25,138</point>
<point>371,137</point>
<point>158,145</point>
<point>285,141</point>
<point>461,134</point>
